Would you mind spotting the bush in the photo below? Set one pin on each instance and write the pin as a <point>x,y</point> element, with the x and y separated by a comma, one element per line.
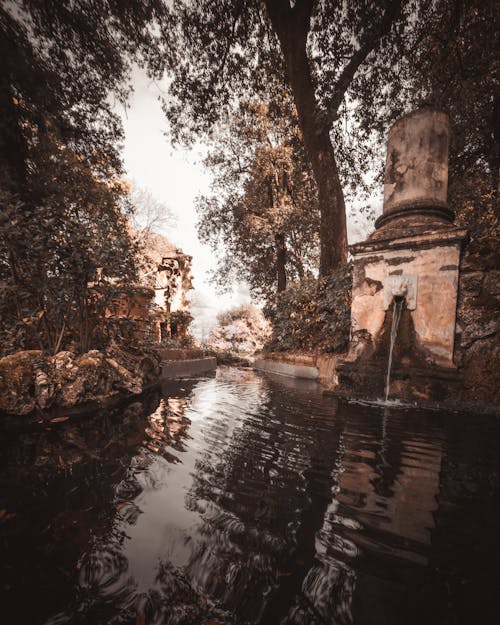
<point>240,329</point>
<point>313,315</point>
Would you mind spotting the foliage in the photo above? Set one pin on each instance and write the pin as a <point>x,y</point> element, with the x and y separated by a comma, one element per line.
<point>63,210</point>
<point>222,53</point>
<point>181,318</point>
<point>186,342</point>
<point>56,257</point>
<point>240,329</point>
<point>61,62</point>
<point>263,209</point>
<point>313,316</point>
<point>463,79</point>
<point>447,60</point>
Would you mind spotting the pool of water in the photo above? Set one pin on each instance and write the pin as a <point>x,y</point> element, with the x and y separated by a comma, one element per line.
<point>247,499</point>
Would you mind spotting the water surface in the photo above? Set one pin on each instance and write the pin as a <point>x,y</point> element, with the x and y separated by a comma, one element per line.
<point>249,499</point>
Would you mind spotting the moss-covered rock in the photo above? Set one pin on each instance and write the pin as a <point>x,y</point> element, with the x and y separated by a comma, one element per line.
<point>30,379</point>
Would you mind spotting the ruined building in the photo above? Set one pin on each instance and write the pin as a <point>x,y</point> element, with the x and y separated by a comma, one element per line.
<point>170,316</point>
<point>157,308</point>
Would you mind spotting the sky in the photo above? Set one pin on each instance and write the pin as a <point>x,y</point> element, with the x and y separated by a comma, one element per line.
<point>176,177</point>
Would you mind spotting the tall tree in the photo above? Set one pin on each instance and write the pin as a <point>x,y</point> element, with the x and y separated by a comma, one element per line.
<point>264,206</point>
<point>51,253</point>
<point>463,78</point>
<point>219,52</point>
<point>447,60</point>
<point>64,65</point>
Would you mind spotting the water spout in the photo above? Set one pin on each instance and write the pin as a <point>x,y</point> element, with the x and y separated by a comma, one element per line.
<point>396,316</point>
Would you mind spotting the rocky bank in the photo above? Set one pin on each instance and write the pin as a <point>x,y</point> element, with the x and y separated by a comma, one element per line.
<point>32,380</point>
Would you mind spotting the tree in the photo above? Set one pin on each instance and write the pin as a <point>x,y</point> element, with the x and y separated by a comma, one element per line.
<point>62,218</point>
<point>149,215</point>
<point>463,79</point>
<point>219,53</point>
<point>446,59</point>
<point>264,204</point>
<point>55,257</point>
<point>63,64</point>
<point>241,329</point>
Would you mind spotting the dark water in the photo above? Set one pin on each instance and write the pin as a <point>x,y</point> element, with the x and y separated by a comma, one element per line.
<point>243,499</point>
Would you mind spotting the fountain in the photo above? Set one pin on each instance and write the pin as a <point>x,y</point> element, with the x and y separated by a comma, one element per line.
<point>405,275</point>
<point>398,307</point>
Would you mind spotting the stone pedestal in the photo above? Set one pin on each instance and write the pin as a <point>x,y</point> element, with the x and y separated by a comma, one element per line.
<point>429,263</point>
<point>413,257</point>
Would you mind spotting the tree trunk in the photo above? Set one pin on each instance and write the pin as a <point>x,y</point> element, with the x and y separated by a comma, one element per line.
<point>280,261</point>
<point>292,27</point>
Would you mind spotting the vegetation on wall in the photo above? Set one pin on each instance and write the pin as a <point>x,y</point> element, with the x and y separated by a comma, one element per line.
<point>312,315</point>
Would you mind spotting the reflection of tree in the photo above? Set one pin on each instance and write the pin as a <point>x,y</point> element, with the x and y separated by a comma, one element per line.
<point>466,546</point>
<point>295,515</point>
<point>65,480</point>
<point>262,494</point>
<point>168,427</point>
<point>297,510</point>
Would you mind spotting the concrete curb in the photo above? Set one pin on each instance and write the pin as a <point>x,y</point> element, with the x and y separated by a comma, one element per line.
<point>171,369</point>
<point>284,368</point>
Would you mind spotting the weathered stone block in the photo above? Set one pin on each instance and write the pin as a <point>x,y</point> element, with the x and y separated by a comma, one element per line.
<point>433,260</point>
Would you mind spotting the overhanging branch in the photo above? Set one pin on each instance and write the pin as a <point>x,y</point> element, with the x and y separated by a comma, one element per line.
<point>372,41</point>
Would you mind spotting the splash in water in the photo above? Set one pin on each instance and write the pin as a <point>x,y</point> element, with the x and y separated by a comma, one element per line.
<point>396,316</point>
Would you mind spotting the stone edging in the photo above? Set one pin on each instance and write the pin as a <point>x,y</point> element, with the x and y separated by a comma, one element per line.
<point>284,368</point>
<point>171,369</point>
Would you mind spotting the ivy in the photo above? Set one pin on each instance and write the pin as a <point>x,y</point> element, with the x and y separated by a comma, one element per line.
<point>313,315</point>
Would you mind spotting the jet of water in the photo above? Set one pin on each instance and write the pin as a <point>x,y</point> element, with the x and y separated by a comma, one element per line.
<point>396,316</point>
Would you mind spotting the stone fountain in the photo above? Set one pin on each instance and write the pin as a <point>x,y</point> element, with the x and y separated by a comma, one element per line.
<point>408,267</point>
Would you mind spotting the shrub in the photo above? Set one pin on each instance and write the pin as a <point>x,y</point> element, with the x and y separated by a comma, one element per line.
<point>240,329</point>
<point>313,315</point>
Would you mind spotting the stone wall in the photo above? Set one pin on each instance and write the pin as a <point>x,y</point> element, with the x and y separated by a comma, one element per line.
<point>431,260</point>
<point>312,365</point>
<point>477,344</point>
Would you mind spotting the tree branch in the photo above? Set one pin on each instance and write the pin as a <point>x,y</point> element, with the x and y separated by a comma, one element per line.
<point>230,39</point>
<point>304,9</point>
<point>372,41</point>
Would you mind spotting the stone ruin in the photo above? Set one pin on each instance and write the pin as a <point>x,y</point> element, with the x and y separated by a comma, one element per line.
<point>158,308</point>
<point>411,262</point>
<point>170,313</point>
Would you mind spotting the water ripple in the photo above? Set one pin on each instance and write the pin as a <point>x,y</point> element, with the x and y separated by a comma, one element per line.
<point>245,500</point>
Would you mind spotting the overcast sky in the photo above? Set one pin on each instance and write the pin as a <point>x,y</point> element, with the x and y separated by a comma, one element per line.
<point>175,177</point>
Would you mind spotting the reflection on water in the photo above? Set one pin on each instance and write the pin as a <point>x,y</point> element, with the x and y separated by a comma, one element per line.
<point>245,499</point>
